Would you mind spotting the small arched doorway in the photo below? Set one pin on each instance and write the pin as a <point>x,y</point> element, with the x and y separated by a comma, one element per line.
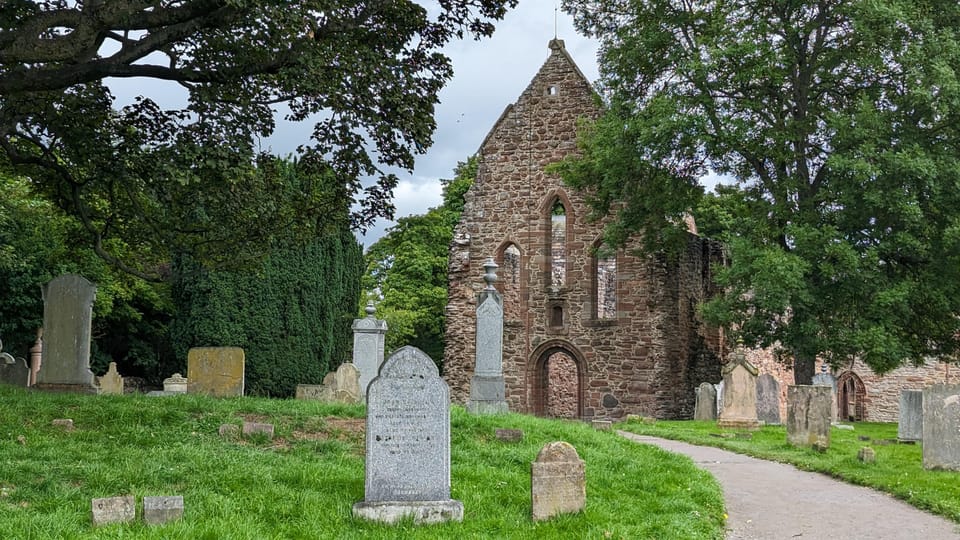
<point>557,381</point>
<point>850,397</point>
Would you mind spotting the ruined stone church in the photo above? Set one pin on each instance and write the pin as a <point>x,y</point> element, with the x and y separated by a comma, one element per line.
<point>585,335</point>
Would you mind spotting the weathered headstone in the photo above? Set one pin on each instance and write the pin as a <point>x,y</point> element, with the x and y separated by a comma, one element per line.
<point>408,443</point>
<point>160,510</point>
<point>309,391</point>
<point>509,435</point>
<point>557,481</point>
<point>111,383</point>
<point>368,339</point>
<point>719,389</point>
<point>487,386</point>
<point>113,510</point>
<point>941,427</point>
<point>602,425</point>
<point>910,425</point>
<point>824,378</point>
<point>739,393</point>
<point>341,386</point>
<point>257,428</point>
<point>768,399</point>
<point>13,371</point>
<point>808,416</point>
<point>176,384</point>
<point>67,324</point>
<point>867,455</point>
<point>215,371</point>
<point>705,407</point>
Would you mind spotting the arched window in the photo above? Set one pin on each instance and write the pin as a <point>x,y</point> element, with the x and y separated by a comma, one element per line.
<point>605,284</point>
<point>509,282</point>
<point>558,245</point>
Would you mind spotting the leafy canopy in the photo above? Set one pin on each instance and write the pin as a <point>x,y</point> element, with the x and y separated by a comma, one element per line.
<point>368,72</point>
<point>838,120</point>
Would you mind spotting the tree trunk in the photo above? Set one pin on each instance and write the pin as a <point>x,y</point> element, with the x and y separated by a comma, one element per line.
<point>803,369</point>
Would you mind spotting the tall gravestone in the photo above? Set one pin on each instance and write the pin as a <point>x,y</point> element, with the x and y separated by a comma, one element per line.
<point>768,399</point>
<point>487,387</point>
<point>407,471</point>
<point>13,371</point>
<point>941,427</point>
<point>824,378</point>
<point>215,371</point>
<point>910,422</point>
<point>719,389</point>
<point>739,393</point>
<point>369,334</point>
<point>808,416</point>
<point>705,404</point>
<point>67,325</point>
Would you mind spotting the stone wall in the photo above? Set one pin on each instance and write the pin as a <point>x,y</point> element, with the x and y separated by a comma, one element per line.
<point>646,358</point>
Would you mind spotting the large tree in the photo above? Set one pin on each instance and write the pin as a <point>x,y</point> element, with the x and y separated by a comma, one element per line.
<point>368,72</point>
<point>839,121</point>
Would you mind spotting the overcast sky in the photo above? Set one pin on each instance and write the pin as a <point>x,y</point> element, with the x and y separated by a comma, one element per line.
<point>488,75</point>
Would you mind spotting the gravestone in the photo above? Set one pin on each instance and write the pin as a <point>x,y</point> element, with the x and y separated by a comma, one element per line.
<point>215,371</point>
<point>407,470</point>
<point>557,481</point>
<point>867,455</point>
<point>808,416</point>
<point>341,386</point>
<point>368,338</point>
<point>13,371</point>
<point>768,399</point>
<point>705,407</point>
<point>719,388</point>
<point>113,510</point>
<point>310,391</point>
<point>67,325</point>
<point>941,427</point>
<point>910,424</point>
<point>487,387</point>
<point>111,383</point>
<point>602,425</point>
<point>824,378</point>
<point>175,384</point>
<point>257,428</point>
<point>508,435</point>
<point>160,510</point>
<point>739,393</point>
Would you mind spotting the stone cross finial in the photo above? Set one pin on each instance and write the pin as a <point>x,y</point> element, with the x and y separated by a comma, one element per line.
<point>490,275</point>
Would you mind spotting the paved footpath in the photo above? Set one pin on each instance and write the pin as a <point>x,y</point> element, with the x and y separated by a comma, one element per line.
<point>771,501</point>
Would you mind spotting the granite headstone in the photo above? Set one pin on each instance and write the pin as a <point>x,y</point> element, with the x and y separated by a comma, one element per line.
<point>160,510</point>
<point>941,427</point>
<point>13,371</point>
<point>910,422</point>
<point>369,334</point>
<point>768,399</point>
<point>67,327</point>
<point>487,387</point>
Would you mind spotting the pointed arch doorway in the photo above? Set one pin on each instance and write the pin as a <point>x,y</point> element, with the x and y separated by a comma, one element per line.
<point>850,397</point>
<point>557,379</point>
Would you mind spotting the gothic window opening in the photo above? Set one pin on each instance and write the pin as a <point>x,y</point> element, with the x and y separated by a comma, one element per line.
<point>558,245</point>
<point>556,316</point>
<point>605,285</point>
<point>509,282</point>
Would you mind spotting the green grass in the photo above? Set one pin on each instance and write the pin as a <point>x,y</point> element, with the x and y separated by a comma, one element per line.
<point>898,469</point>
<point>303,483</point>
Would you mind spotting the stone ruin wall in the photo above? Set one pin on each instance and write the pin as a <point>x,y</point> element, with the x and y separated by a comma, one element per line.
<point>648,360</point>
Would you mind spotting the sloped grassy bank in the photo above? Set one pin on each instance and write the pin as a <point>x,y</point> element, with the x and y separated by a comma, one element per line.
<point>303,483</point>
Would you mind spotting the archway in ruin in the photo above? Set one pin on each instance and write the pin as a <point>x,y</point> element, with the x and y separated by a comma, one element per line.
<point>850,397</point>
<point>557,378</point>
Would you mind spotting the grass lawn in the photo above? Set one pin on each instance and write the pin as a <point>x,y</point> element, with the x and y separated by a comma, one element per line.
<point>898,469</point>
<point>303,483</point>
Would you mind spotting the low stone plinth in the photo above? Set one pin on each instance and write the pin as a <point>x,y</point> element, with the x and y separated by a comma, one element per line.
<point>422,512</point>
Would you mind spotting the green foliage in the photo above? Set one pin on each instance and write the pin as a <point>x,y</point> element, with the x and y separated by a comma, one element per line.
<point>170,181</point>
<point>304,482</point>
<point>898,469</point>
<point>407,270</point>
<point>839,122</point>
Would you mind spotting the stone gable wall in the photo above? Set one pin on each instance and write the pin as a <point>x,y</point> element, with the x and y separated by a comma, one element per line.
<point>645,361</point>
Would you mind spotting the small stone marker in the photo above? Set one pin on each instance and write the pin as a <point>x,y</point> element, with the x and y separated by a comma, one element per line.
<point>229,431</point>
<point>705,407</point>
<point>254,428</point>
<point>309,391</point>
<point>768,400</point>
<point>67,324</point>
<point>808,416</point>
<point>65,423</point>
<point>113,510</point>
<point>175,384</point>
<point>910,424</point>
<point>739,393</point>
<point>160,510</point>
<point>487,386</point>
<point>941,427</point>
<point>557,481</point>
<point>13,371</point>
<point>369,334</point>
<point>603,425</point>
<point>407,470</point>
<point>111,383</point>
<point>215,371</point>
<point>867,455</point>
<point>341,386</point>
<point>509,435</point>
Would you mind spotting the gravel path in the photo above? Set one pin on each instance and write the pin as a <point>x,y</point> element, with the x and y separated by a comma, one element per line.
<point>771,501</point>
